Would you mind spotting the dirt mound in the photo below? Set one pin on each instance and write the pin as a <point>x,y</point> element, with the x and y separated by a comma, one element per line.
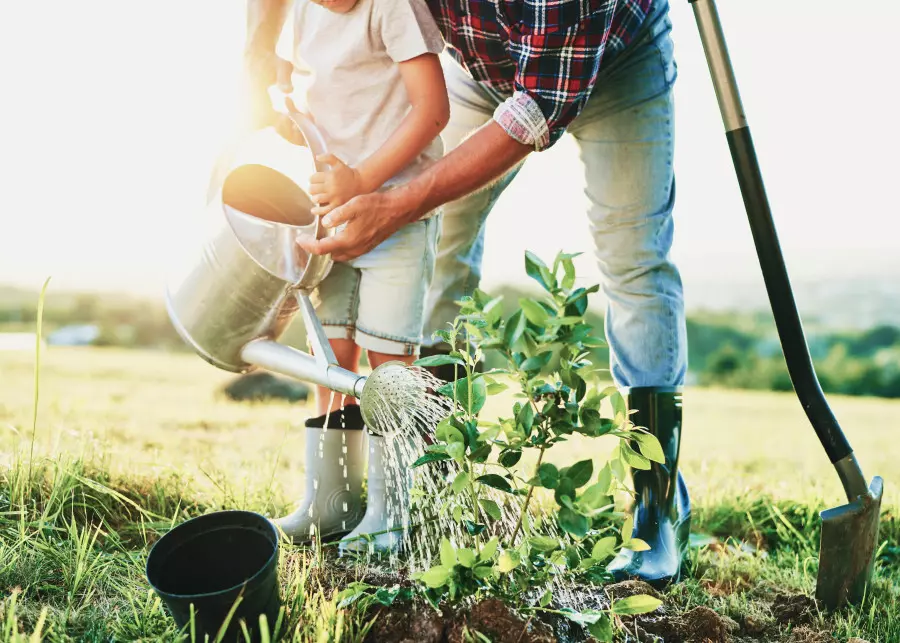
<point>627,588</point>
<point>804,634</point>
<point>260,386</point>
<point>421,624</point>
<point>407,624</point>
<point>699,625</point>
<point>500,624</point>
<point>794,609</point>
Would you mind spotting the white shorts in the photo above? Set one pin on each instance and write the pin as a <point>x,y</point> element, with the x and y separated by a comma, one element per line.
<point>378,299</point>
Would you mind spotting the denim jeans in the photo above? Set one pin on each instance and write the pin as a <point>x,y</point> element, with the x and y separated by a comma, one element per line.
<point>625,136</point>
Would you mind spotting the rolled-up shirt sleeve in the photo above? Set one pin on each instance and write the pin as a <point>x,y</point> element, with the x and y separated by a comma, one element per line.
<point>556,69</point>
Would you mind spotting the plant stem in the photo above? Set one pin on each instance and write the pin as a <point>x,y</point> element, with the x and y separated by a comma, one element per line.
<point>528,496</point>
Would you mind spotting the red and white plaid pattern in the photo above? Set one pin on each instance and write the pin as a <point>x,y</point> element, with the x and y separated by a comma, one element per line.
<point>544,54</point>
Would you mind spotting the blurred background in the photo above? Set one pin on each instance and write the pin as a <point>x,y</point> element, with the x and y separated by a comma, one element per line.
<point>114,113</point>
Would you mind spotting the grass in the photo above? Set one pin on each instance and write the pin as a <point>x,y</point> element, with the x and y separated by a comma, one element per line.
<point>128,443</point>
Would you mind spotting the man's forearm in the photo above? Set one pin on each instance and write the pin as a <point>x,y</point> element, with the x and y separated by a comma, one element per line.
<point>265,20</point>
<point>479,160</point>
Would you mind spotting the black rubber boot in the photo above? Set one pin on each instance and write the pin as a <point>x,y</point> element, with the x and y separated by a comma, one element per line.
<point>662,510</point>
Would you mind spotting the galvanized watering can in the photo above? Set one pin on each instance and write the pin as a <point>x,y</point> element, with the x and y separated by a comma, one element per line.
<point>251,278</point>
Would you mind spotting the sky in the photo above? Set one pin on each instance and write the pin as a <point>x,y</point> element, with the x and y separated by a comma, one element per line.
<point>114,111</point>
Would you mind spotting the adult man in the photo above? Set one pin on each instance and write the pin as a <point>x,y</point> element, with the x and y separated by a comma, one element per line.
<point>524,73</point>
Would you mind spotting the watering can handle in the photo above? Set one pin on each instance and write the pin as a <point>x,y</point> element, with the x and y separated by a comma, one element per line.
<point>311,134</point>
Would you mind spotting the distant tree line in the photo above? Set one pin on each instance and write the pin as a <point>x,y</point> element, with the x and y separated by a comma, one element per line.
<point>726,350</point>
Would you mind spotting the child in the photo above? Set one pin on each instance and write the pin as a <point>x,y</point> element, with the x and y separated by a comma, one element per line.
<point>377,92</point>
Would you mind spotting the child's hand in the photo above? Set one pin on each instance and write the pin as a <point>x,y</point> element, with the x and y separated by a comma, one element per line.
<point>336,186</point>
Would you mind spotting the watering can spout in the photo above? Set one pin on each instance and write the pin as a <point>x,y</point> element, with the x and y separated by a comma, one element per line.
<point>285,360</point>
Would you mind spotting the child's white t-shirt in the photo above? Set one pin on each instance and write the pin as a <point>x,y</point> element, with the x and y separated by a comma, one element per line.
<point>353,86</point>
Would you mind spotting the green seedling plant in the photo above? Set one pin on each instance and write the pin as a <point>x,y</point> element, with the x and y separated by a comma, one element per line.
<point>546,345</point>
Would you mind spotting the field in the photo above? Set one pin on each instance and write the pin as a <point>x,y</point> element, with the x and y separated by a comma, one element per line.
<point>129,442</point>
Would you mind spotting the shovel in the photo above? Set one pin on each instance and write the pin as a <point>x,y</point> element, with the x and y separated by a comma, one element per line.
<point>850,531</point>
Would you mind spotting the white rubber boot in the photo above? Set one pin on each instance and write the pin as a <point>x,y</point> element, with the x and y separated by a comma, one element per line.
<point>387,508</point>
<point>335,461</point>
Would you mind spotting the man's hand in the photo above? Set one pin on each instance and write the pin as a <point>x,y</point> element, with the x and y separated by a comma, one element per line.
<point>261,71</point>
<point>336,186</point>
<point>369,218</point>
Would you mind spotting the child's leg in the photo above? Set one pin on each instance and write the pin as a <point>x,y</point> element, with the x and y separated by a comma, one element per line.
<point>347,353</point>
<point>377,359</point>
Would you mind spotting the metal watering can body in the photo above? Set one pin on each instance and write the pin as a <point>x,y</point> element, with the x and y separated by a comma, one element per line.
<point>245,282</point>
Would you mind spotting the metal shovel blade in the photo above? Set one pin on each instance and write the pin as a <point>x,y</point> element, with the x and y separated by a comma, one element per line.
<point>847,548</point>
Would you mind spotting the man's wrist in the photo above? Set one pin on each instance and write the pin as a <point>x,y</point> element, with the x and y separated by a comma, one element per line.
<point>411,200</point>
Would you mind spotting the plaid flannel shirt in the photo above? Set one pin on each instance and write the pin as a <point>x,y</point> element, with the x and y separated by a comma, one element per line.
<point>544,54</point>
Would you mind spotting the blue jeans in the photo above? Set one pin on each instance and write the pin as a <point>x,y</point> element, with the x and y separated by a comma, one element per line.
<point>625,136</point>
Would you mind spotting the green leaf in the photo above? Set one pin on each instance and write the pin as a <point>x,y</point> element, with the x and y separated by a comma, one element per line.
<point>495,481</point>
<point>473,528</point>
<point>446,432</point>
<point>481,454</point>
<point>569,269</point>
<point>594,424</point>
<point>618,403</point>
<point>429,457</point>
<point>489,549</point>
<point>594,497</point>
<point>525,417</point>
<point>448,553</point>
<point>627,529</point>
<point>460,482</point>
<point>579,473</point>
<point>510,458</point>
<point>489,434</point>
<point>633,458</point>
<point>604,548</point>
<point>549,475</point>
<point>564,489</point>
<point>604,478</point>
<point>457,451</point>
<point>515,326</point>
<point>638,604</point>
<point>650,447</point>
<point>602,630</point>
<point>537,362</point>
<point>459,390</point>
<point>573,523</point>
<point>636,544</point>
<point>496,387</point>
<point>457,513</point>
<point>583,618</point>
<point>546,598</point>
<point>617,468</point>
<point>436,577</point>
<point>438,360</point>
<point>483,571</point>
<point>537,270</point>
<point>534,312</point>
<point>508,561</point>
<point>543,543</point>
<point>466,557</point>
<point>491,508</point>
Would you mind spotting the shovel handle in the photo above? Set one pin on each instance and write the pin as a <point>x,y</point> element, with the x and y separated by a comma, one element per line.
<point>768,250</point>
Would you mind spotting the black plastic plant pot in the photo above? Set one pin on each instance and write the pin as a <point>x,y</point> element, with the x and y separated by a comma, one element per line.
<point>211,561</point>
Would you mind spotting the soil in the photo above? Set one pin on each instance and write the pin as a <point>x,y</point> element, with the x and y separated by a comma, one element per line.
<point>804,634</point>
<point>784,618</point>
<point>794,609</point>
<point>491,617</point>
